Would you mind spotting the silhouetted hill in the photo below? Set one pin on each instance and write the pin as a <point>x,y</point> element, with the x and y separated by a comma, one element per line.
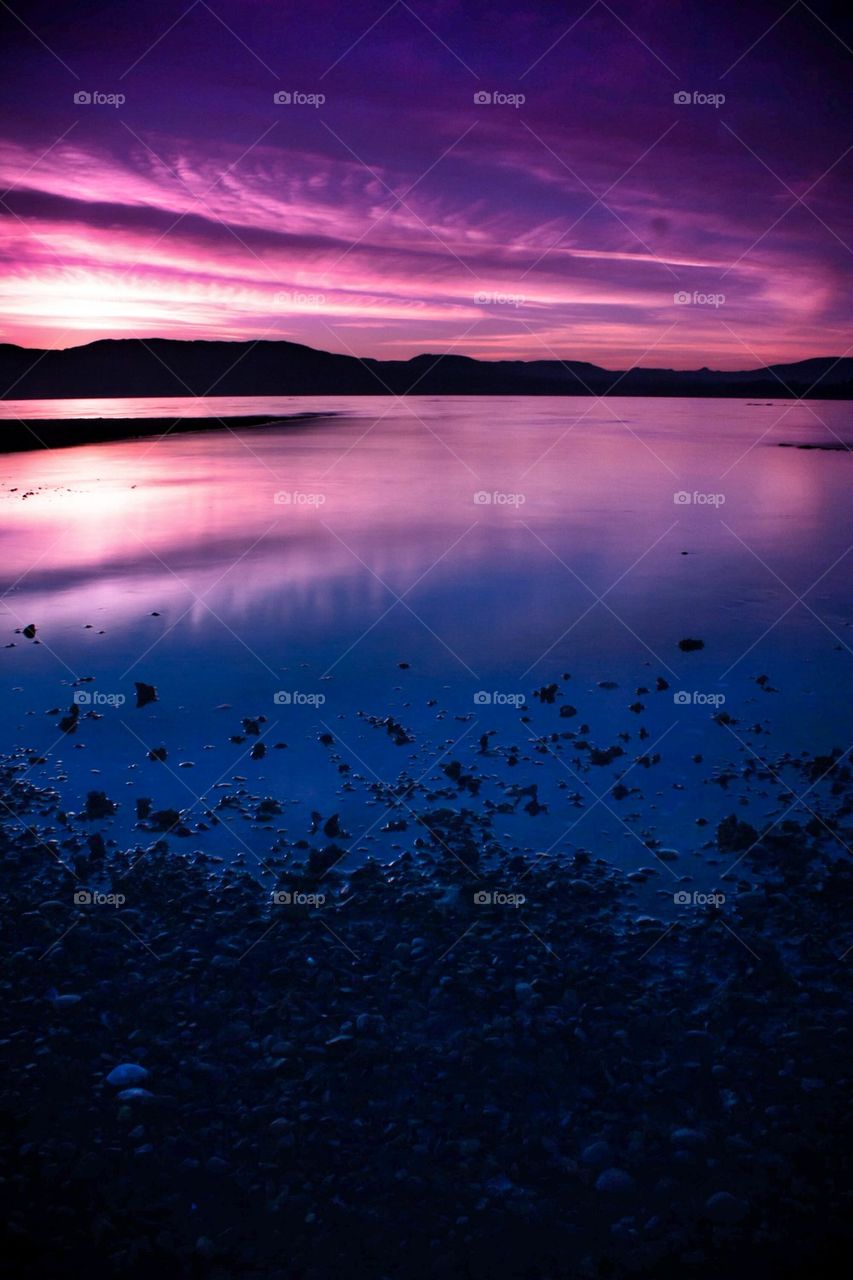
<point>172,367</point>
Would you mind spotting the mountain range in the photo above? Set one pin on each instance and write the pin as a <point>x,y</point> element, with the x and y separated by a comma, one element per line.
<point>175,367</point>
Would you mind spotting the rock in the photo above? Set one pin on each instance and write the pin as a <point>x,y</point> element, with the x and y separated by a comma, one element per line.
<point>725,1209</point>
<point>688,1138</point>
<point>98,806</point>
<point>688,645</point>
<point>127,1073</point>
<point>145,693</point>
<point>597,1154</point>
<point>30,630</point>
<point>614,1180</point>
<point>734,836</point>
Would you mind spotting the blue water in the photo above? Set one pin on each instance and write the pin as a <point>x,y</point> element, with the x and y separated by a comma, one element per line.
<point>492,544</point>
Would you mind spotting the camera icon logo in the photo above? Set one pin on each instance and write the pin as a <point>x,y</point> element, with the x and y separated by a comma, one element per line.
<point>482,97</point>
<point>682,298</point>
<point>281,898</point>
<point>681,899</point>
<point>682,498</point>
<point>682,698</point>
<point>482,498</point>
<point>482,698</point>
<point>82,97</point>
<point>681,98</point>
<point>282,98</point>
<point>482,897</point>
<point>283,698</point>
<point>83,897</point>
<point>82,697</point>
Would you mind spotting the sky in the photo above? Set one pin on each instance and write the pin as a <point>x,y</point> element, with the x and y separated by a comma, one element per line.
<point>645,183</point>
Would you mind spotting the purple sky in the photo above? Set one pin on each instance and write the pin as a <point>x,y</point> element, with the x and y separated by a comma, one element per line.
<point>400,215</point>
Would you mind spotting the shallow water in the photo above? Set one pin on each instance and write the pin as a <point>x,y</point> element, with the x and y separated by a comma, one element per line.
<point>493,544</point>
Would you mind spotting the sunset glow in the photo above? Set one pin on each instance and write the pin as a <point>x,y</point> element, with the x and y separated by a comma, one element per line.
<point>401,215</point>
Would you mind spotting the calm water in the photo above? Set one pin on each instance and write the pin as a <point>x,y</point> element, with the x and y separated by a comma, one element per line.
<point>493,545</point>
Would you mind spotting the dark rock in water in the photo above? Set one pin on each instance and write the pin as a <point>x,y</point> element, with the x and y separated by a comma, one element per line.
<point>143,808</point>
<point>404,666</point>
<point>258,751</point>
<point>127,1073</point>
<point>661,685</point>
<point>251,726</point>
<point>734,836</point>
<point>98,806</point>
<point>614,1180</point>
<point>30,630</point>
<point>332,827</point>
<point>68,724</point>
<point>165,819</point>
<point>157,753</point>
<point>320,860</point>
<point>725,1209</point>
<point>608,684</point>
<point>567,711</point>
<point>547,693</point>
<point>689,644</point>
<point>145,693</point>
<point>326,739</point>
<point>96,845</point>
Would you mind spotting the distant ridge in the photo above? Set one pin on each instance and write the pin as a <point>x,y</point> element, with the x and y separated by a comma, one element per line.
<point>174,367</point>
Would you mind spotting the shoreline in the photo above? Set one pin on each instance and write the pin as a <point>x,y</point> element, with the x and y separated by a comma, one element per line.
<point>22,435</point>
<point>401,1080</point>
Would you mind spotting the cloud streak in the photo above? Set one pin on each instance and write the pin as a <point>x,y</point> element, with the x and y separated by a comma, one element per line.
<point>402,216</point>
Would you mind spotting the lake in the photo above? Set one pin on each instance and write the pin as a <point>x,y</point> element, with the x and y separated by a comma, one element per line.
<point>433,562</point>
